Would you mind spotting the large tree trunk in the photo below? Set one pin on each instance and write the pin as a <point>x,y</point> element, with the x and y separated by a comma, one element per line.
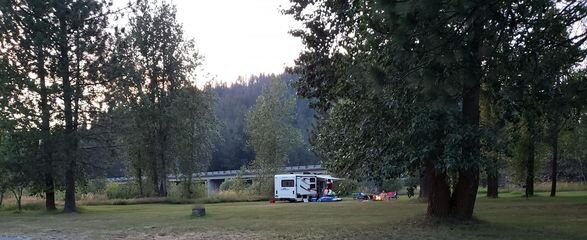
<point>465,190</point>
<point>69,134</point>
<point>554,169</point>
<point>465,194</point>
<point>45,133</point>
<point>439,192</point>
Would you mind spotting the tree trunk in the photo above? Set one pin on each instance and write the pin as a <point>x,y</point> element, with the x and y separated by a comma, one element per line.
<point>1,197</point>
<point>530,160</point>
<point>439,192</point>
<point>18,196</point>
<point>493,178</point>
<point>45,133</point>
<point>465,194</point>
<point>554,172</point>
<point>162,156</point>
<point>492,183</point>
<point>465,190</point>
<point>424,189</point>
<point>140,181</point>
<point>63,69</point>
<point>49,193</point>
<point>189,186</point>
<point>155,176</point>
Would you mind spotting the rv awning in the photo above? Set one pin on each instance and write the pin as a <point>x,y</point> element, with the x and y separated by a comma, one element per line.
<point>328,177</point>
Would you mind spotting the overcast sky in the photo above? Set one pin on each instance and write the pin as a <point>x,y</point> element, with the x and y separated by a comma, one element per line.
<point>239,37</point>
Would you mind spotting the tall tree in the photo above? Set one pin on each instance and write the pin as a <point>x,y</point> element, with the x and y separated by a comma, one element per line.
<point>565,100</point>
<point>272,135</point>
<point>80,39</point>
<point>424,61</point>
<point>28,40</point>
<point>152,71</point>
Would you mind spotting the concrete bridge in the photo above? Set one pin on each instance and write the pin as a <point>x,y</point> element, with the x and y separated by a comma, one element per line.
<point>213,179</point>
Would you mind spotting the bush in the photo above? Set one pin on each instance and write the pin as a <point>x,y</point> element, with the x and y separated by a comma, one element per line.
<point>180,191</point>
<point>345,187</point>
<point>122,191</point>
<point>96,186</point>
<point>262,187</point>
<point>235,184</point>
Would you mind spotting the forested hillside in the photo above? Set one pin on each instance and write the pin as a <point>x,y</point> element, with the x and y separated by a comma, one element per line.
<point>233,102</point>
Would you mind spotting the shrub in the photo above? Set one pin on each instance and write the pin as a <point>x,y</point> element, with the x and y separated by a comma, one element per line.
<point>121,190</point>
<point>96,186</point>
<point>235,184</point>
<point>262,187</point>
<point>180,191</point>
<point>345,187</point>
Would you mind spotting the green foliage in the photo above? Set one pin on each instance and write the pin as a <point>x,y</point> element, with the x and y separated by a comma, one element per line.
<point>345,187</point>
<point>398,83</point>
<point>96,186</point>
<point>235,185</point>
<point>122,191</point>
<point>181,190</point>
<point>166,124</point>
<point>272,135</point>
<point>262,187</point>
<point>573,151</point>
<point>392,185</point>
<point>233,102</point>
<point>411,182</point>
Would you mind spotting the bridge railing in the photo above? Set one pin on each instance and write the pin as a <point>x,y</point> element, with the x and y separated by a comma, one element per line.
<point>173,177</point>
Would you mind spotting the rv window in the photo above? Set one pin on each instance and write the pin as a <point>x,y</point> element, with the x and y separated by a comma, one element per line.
<point>312,179</point>
<point>312,186</point>
<point>287,183</point>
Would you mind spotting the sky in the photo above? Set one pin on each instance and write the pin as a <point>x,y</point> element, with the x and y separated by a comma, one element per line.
<point>239,37</point>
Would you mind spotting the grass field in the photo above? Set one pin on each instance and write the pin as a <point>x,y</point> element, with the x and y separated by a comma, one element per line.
<point>510,217</point>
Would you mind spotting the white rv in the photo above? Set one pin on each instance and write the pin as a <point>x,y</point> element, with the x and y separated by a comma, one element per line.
<point>297,187</point>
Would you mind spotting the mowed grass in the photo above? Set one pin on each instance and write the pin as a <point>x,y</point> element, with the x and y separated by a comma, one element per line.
<point>509,217</point>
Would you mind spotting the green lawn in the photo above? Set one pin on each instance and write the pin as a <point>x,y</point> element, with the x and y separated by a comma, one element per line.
<point>510,217</point>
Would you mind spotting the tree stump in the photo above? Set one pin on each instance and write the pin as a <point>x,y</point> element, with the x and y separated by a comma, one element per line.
<point>198,212</point>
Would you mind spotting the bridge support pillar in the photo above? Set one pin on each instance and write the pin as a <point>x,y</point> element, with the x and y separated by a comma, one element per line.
<point>213,186</point>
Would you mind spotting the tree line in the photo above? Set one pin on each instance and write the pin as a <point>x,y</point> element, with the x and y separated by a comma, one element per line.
<point>88,90</point>
<point>232,149</point>
<point>79,91</point>
<point>444,90</point>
